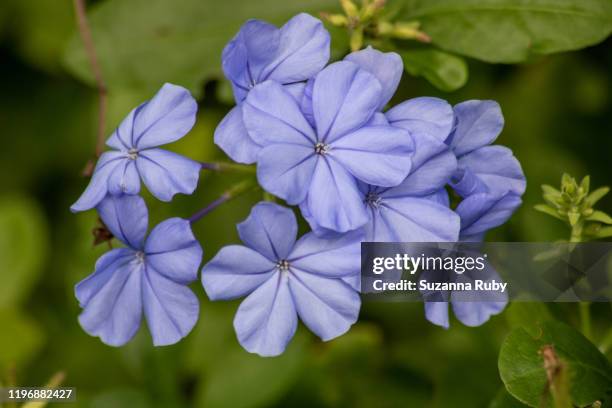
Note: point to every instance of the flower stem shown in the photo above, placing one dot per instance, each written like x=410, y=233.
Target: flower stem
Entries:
x=90, y=49
x=585, y=319
x=228, y=167
x=606, y=343
x=233, y=192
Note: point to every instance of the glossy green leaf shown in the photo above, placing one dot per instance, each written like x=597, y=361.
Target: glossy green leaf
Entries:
x=505, y=400
x=445, y=71
x=23, y=247
x=511, y=31
x=143, y=43
x=521, y=365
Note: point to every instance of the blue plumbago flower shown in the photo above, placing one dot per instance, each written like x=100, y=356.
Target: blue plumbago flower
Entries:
x=259, y=52
x=164, y=119
x=322, y=164
x=148, y=275
x=481, y=212
x=284, y=279
x=417, y=210
x=472, y=308
x=482, y=168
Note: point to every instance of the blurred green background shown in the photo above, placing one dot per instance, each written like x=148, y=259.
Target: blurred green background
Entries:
x=558, y=112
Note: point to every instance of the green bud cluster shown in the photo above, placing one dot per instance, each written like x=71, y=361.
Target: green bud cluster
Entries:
x=573, y=203
x=369, y=19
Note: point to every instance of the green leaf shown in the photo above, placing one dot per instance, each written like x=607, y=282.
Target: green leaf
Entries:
x=596, y=195
x=505, y=400
x=600, y=216
x=143, y=43
x=522, y=371
x=20, y=338
x=243, y=380
x=511, y=31
x=546, y=209
x=605, y=232
x=445, y=71
x=23, y=247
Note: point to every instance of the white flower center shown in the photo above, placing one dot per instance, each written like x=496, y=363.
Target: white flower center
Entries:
x=283, y=265
x=132, y=154
x=321, y=148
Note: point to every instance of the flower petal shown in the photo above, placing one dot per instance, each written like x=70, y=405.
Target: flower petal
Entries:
x=121, y=139
x=420, y=220
x=171, y=309
x=270, y=229
x=303, y=50
x=235, y=272
x=114, y=312
x=482, y=212
x=428, y=178
x=387, y=67
x=272, y=115
x=344, y=98
x=286, y=170
x=173, y=250
x=378, y=155
x=437, y=313
x=329, y=307
x=478, y=124
x=433, y=117
x=328, y=257
x=334, y=199
x=97, y=188
x=165, y=118
x=166, y=174
x=126, y=217
x=233, y=138
x=266, y=320
x=495, y=167
x=124, y=179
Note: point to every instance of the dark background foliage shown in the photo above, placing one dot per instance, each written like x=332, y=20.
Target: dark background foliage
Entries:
x=558, y=111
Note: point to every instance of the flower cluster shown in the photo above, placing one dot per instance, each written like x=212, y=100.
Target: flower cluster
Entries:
x=322, y=139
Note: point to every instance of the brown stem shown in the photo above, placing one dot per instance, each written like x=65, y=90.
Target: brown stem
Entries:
x=85, y=34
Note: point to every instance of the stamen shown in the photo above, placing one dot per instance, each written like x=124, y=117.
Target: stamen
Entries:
x=283, y=265
x=373, y=200
x=132, y=154
x=140, y=257
x=321, y=148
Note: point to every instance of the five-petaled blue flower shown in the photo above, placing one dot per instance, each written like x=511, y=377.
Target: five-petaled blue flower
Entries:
x=323, y=162
x=164, y=119
x=284, y=279
x=489, y=178
x=148, y=275
x=260, y=52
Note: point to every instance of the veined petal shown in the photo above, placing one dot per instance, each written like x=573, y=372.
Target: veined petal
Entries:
x=387, y=67
x=344, y=98
x=124, y=179
x=428, y=178
x=173, y=251
x=482, y=212
x=266, y=320
x=478, y=124
x=420, y=220
x=114, y=312
x=433, y=117
x=97, y=188
x=165, y=118
x=121, y=139
x=476, y=313
x=329, y=307
x=126, y=217
x=233, y=138
x=303, y=50
x=270, y=229
x=328, y=257
x=286, y=170
x=171, y=309
x=166, y=174
x=272, y=115
x=496, y=167
x=334, y=199
x=378, y=155
x=234, y=272
x=314, y=226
